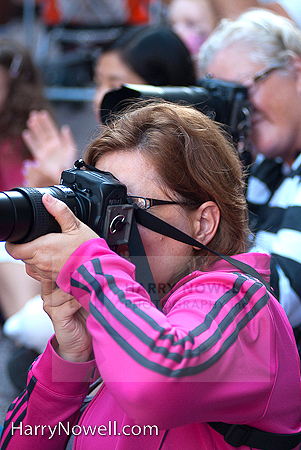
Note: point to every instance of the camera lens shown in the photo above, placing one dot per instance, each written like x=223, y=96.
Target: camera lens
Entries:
x=15, y=214
x=23, y=216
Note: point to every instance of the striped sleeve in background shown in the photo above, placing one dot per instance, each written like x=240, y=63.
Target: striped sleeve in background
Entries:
x=274, y=197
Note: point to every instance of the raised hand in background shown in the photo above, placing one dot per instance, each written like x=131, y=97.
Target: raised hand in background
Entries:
x=53, y=149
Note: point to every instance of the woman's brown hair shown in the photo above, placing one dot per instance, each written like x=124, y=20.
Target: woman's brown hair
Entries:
x=195, y=161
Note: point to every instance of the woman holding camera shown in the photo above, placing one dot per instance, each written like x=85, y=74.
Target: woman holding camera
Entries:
x=219, y=349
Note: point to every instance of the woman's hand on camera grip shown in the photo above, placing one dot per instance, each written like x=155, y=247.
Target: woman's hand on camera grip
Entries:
x=74, y=342
x=45, y=256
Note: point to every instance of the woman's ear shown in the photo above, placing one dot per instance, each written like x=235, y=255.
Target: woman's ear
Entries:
x=206, y=221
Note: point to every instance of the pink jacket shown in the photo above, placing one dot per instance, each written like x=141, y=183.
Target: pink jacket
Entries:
x=222, y=350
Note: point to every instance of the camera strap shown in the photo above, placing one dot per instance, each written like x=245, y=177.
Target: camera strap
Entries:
x=143, y=273
x=159, y=226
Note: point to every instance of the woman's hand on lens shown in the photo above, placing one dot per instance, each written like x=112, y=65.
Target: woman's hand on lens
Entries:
x=45, y=256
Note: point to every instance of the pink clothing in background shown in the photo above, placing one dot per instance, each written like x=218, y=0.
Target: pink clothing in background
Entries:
x=11, y=163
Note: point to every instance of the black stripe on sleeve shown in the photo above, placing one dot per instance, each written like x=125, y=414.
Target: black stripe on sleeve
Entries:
x=16, y=406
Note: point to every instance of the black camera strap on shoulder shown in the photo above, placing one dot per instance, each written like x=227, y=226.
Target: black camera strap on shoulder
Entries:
x=235, y=435
x=159, y=226
x=143, y=273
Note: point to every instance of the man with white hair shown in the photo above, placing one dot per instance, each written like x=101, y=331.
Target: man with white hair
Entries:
x=262, y=51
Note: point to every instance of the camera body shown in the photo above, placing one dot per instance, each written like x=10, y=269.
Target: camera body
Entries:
x=97, y=198
x=223, y=101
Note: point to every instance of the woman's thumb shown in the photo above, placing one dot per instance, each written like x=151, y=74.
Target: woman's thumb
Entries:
x=61, y=212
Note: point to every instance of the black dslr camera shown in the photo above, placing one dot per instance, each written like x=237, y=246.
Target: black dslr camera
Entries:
x=223, y=101
x=97, y=198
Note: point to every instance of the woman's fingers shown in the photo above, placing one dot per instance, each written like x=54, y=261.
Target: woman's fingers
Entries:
x=46, y=255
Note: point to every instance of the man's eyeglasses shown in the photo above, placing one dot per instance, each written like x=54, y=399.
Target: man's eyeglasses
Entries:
x=146, y=203
x=260, y=76
x=263, y=74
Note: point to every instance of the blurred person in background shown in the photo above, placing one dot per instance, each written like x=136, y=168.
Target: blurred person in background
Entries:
x=21, y=90
x=146, y=54
x=150, y=54
x=262, y=50
x=192, y=20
